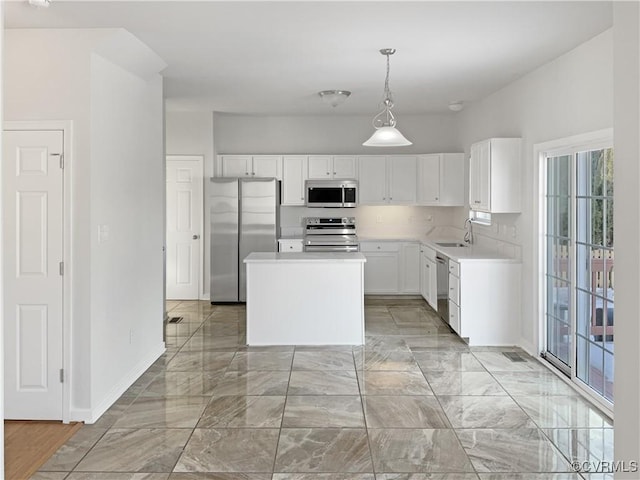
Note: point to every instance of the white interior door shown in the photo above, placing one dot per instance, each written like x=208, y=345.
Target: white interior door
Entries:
x=184, y=226
x=33, y=248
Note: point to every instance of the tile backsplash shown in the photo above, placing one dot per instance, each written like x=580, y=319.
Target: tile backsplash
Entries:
x=377, y=220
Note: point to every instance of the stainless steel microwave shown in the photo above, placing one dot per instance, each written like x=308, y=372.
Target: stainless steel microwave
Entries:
x=331, y=193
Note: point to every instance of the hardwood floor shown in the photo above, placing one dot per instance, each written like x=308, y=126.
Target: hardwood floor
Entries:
x=29, y=444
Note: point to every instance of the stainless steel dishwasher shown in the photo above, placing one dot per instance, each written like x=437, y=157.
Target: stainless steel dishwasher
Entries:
x=443, y=287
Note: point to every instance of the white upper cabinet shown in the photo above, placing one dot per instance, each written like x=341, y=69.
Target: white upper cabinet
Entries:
x=385, y=180
x=345, y=166
x=250, y=166
x=294, y=173
x=235, y=165
x=494, y=176
x=267, y=166
x=402, y=179
x=330, y=166
x=441, y=179
x=372, y=180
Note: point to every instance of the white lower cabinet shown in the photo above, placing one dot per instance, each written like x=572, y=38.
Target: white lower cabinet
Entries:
x=429, y=276
x=484, y=301
x=410, y=268
x=391, y=267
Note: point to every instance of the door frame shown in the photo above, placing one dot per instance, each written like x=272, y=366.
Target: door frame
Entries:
x=66, y=126
x=200, y=160
x=597, y=139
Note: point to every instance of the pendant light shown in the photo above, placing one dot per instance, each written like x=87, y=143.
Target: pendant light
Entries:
x=386, y=134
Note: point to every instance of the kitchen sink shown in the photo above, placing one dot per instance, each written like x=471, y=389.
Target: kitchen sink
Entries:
x=451, y=244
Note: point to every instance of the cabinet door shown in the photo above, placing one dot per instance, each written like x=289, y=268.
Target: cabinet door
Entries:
x=410, y=268
x=320, y=167
x=480, y=176
x=235, y=165
x=429, y=179
x=345, y=167
x=452, y=185
x=474, y=176
x=381, y=272
x=267, y=166
x=372, y=176
x=294, y=173
x=432, y=284
x=402, y=180
x=424, y=278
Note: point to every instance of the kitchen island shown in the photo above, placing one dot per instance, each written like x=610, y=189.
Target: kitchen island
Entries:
x=305, y=298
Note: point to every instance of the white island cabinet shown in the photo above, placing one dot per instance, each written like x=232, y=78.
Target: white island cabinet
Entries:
x=305, y=298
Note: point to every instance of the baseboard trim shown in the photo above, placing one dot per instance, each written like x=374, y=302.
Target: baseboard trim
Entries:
x=529, y=348
x=92, y=415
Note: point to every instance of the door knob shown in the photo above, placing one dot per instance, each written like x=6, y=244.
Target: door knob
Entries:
x=195, y=237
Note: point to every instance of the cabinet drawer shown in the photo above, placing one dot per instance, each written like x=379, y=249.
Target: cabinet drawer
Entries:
x=454, y=289
x=428, y=252
x=454, y=268
x=454, y=317
x=379, y=247
x=293, y=245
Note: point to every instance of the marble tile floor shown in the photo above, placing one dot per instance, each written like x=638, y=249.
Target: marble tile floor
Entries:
x=413, y=403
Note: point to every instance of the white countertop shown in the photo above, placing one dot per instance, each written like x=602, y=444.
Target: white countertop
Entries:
x=301, y=257
x=470, y=253
x=465, y=254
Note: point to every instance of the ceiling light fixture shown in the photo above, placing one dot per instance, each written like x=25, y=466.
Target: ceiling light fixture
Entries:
x=456, y=106
x=40, y=3
x=334, y=97
x=386, y=134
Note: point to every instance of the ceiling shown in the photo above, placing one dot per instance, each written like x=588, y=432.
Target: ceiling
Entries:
x=273, y=57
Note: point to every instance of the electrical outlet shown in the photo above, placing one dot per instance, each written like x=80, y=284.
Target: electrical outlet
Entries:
x=429, y=218
x=378, y=218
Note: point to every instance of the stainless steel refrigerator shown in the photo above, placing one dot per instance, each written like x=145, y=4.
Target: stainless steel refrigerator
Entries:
x=244, y=215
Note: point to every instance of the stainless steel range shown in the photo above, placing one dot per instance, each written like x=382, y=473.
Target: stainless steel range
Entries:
x=333, y=234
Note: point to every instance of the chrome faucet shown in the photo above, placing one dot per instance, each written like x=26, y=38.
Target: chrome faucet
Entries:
x=468, y=234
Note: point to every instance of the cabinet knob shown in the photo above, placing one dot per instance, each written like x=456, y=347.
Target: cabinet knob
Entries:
x=378, y=247
x=327, y=173
x=436, y=198
x=390, y=198
x=476, y=201
x=246, y=173
x=253, y=173
x=196, y=237
x=301, y=198
x=334, y=173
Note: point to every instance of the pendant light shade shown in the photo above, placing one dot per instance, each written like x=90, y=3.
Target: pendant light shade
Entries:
x=386, y=134
x=387, y=137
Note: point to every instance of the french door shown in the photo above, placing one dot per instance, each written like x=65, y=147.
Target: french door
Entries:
x=578, y=259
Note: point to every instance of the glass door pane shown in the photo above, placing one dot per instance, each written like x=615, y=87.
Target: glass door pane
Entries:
x=558, y=311
x=594, y=288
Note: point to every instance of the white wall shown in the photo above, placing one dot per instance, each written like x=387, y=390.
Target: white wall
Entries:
x=627, y=224
x=571, y=95
x=127, y=188
x=55, y=83
x=330, y=134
